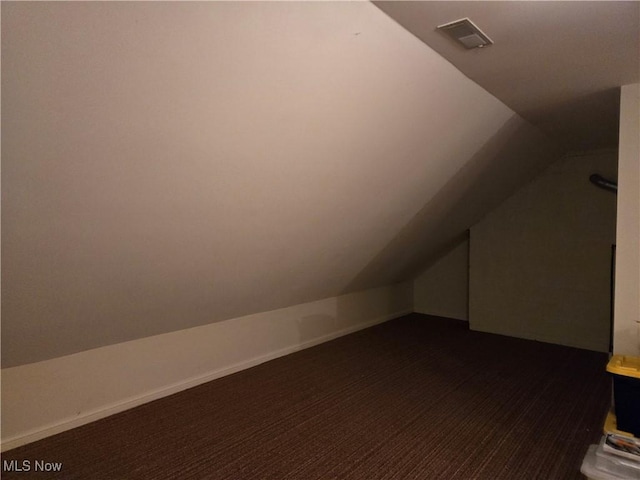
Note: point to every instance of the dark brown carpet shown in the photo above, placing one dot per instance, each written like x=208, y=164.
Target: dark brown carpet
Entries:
x=415, y=398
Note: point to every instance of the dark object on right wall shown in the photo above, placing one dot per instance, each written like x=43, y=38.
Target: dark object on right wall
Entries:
x=600, y=181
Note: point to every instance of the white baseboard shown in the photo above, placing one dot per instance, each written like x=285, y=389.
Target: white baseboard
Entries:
x=70, y=384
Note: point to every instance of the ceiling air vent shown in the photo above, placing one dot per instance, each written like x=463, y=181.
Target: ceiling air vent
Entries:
x=465, y=32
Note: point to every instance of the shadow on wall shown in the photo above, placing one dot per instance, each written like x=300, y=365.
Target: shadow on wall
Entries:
x=354, y=309
x=508, y=160
x=314, y=326
x=570, y=119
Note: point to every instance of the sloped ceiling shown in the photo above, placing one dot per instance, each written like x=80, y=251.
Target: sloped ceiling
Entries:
x=167, y=165
x=557, y=63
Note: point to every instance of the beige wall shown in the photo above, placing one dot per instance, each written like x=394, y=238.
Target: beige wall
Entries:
x=626, y=338
x=540, y=263
x=443, y=288
x=172, y=164
x=45, y=398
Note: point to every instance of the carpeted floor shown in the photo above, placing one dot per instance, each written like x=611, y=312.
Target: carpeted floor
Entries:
x=415, y=398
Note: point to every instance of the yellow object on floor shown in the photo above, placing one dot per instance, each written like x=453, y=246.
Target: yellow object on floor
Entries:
x=611, y=426
x=624, y=365
x=625, y=372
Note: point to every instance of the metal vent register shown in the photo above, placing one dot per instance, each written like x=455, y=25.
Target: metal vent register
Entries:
x=467, y=33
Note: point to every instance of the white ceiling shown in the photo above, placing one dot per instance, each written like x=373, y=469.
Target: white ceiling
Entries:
x=557, y=63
